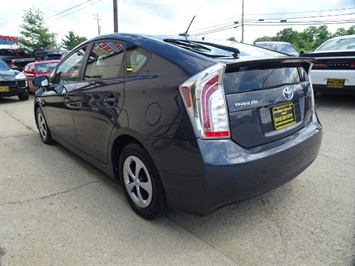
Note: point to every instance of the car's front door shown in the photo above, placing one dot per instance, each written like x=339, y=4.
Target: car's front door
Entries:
x=58, y=102
x=99, y=97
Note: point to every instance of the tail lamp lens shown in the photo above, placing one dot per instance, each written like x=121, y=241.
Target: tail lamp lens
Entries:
x=320, y=65
x=204, y=99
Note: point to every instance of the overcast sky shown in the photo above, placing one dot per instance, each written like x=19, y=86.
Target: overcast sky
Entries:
x=214, y=18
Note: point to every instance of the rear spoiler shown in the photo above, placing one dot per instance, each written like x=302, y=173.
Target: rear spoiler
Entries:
x=267, y=63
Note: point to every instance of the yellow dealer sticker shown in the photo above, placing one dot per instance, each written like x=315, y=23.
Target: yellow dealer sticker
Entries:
x=283, y=116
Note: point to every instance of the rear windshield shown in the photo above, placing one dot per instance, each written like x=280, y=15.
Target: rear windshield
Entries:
x=338, y=44
x=255, y=79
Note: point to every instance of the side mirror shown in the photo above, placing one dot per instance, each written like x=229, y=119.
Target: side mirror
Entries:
x=41, y=81
x=30, y=71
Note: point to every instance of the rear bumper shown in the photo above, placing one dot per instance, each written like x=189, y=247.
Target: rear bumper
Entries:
x=320, y=79
x=220, y=172
x=324, y=89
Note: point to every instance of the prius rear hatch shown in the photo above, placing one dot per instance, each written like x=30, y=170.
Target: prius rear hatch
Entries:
x=268, y=100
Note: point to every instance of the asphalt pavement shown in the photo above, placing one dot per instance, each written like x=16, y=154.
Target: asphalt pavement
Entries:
x=55, y=209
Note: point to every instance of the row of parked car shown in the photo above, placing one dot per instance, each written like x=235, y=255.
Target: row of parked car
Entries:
x=334, y=70
x=186, y=123
x=14, y=82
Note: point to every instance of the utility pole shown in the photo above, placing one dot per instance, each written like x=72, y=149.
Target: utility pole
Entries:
x=98, y=23
x=242, y=21
x=115, y=16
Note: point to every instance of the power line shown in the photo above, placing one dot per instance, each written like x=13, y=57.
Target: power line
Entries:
x=71, y=8
x=66, y=10
x=265, y=22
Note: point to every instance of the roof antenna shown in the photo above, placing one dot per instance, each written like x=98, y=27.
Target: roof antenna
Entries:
x=185, y=33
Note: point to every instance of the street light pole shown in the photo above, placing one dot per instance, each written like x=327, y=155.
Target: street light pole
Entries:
x=98, y=23
x=242, y=21
x=115, y=16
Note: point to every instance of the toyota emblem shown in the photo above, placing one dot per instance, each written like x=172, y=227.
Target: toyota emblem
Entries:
x=288, y=93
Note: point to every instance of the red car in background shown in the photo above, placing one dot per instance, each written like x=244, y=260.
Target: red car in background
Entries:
x=36, y=69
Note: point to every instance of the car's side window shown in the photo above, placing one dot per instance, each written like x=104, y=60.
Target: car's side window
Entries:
x=29, y=67
x=105, y=60
x=69, y=69
x=136, y=59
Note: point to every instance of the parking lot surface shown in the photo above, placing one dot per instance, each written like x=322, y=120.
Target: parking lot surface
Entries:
x=55, y=209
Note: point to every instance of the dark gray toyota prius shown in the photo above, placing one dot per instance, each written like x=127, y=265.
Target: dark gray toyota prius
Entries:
x=181, y=123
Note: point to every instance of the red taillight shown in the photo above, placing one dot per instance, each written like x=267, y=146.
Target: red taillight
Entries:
x=210, y=87
x=204, y=99
x=12, y=62
x=211, y=108
x=320, y=65
x=352, y=64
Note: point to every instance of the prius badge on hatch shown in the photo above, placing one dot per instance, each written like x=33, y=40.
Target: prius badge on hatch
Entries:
x=288, y=93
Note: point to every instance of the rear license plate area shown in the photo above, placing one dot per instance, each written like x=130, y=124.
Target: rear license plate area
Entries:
x=283, y=116
x=335, y=83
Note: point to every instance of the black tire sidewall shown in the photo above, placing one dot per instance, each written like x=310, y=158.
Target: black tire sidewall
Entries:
x=24, y=96
x=48, y=138
x=158, y=203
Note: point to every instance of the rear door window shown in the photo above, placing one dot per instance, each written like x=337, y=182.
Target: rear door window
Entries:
x=105, y=60
x=136, y=59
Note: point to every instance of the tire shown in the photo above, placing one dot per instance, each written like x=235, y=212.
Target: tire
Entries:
x=141, y=182
x=42, y=126
x=24, y=96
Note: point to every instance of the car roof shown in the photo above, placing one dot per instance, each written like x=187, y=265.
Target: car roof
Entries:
x=276, y=42
x=45, y=62
x=343, y=37
x=146, y=42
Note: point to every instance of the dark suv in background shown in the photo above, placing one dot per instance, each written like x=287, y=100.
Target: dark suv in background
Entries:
x=182, y=123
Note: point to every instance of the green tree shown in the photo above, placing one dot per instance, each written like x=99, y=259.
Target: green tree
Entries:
x=322, y=34
x=340, y=32
x=265, y=39
x=351, y=30
x=72, y=40
x=34, y=33
x=287, y=35
x=233, y=39
x=309, y=39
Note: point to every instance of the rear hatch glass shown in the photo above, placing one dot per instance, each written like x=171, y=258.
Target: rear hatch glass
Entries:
x=267, y=101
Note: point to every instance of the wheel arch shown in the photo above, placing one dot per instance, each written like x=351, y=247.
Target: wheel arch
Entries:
x=119, y=143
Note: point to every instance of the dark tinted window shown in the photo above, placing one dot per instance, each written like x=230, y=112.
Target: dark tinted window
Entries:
x=69, y=69
x=3, y=66
x=7, y=52
x=253, y=79
x=105, y=60
x=338, y=44
x=23, y=53
x=136, y=59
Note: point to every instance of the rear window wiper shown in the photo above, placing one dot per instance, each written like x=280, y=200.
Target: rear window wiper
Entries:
x=234, y=51
x=189, y=45
x=204, y=48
